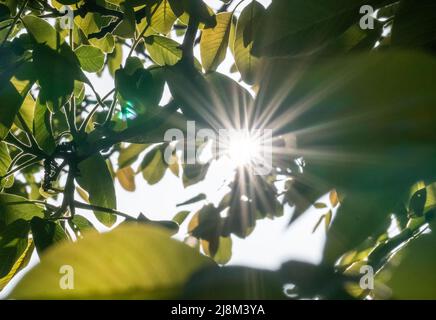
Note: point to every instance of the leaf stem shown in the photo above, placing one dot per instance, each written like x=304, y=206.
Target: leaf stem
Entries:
x=86, y=206
x=111, y=109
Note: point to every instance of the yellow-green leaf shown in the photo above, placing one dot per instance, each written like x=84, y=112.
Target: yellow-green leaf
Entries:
x=21, y=263
x=213, y=44
x=134, y=261
x=154, y=170
x=91, y=58
x=96, y=179
x=246, y=63
x=163, y=50
x=126, y=177
x=163, y=18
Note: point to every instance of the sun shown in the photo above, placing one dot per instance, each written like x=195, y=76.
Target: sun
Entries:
x=243, y=148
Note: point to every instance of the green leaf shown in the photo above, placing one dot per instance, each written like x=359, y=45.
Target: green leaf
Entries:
x=163, y=19
x=195, y=199
x=115, y=59
x=129, y=155
x=246, y=63
x=141, y=90
x=318, y=223
x=89, y=24
x=5, y=161
x=141, y=262
x=181, y=216
x=5, y=12
x=10, y=102
x=42, y=129
x=13, y=242
x=153, y=166
x=132, y=64
x=13, y=97
x=126, y=178
x=96, y=179
x=169, y=225
x=194, y=173
x=126, y=28
x=83, y=224
x=213, y=44
x=163, y=51
x=42, y=32
x=26, y=112
x=46, y=233
x=91, y=58
x=320, y=205
x=414, y=276
x=21, y=263
x=223, y=253
x=105, y=44
x=415, y=24
x=56, y=71
x=293, y=27
x=13, y=207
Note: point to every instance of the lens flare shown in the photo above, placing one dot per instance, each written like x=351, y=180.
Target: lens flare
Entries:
x=243, y=148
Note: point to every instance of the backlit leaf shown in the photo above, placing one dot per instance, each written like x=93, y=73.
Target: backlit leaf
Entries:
x=140, y=262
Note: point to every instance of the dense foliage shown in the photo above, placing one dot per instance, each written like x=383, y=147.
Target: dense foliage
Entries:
x=353, y=112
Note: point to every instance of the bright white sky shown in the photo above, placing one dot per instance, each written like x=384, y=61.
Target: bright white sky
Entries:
x=272, y=241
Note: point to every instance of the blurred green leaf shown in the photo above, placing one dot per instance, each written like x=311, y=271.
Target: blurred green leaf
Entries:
x=415, y=24
x=140, y=262
x=296, y=27
x=414, y=276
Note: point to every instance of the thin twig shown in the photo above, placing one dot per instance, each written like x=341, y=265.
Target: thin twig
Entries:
x=111, y=109
x=85, y=206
